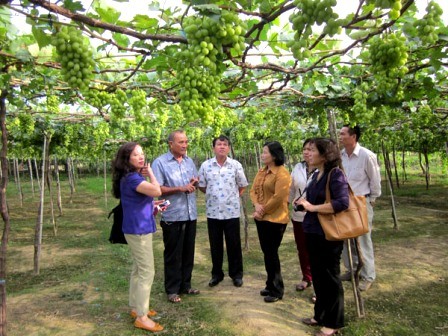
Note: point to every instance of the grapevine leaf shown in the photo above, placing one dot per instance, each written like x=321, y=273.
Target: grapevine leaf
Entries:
x=155, y=63
x=144, y=22
x=73, y=5
x=42, y=39
x=436, y=58
x=24, y=55
x=106, y=13
x=122, y=40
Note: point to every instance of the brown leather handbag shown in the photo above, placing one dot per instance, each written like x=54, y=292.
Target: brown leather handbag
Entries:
x=350, y=223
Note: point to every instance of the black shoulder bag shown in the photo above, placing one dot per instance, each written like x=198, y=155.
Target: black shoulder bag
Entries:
x=116, y=234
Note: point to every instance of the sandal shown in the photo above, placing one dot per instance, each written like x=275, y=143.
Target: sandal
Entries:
x=174, y=298
x=323, y=333
x=303, y=285
x=191, y=291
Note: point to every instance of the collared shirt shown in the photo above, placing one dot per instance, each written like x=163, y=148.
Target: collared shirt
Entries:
x=171, y=173
x=363, y=172
x=271, y=189
x=222, y=183
x=300, y=179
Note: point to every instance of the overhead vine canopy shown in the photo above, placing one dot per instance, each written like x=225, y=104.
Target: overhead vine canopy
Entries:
x=205, y=63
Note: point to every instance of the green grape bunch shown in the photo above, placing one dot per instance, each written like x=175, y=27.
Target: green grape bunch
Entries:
x=208, y=37
x=26, y=122
x=117, y=104
x=426, y=26
x=76, y=57
x=97, y=98
x=394, y=5
x=138, y=103
x=360, y=101
x=52, y=103
x=200, y=63
x=388, y=55
x=309, y=13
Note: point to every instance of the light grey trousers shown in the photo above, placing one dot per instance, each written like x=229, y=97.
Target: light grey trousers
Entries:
x=366, y=248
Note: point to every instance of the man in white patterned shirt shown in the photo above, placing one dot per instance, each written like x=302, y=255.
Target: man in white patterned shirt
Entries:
x=363, y=174
x=223, y=181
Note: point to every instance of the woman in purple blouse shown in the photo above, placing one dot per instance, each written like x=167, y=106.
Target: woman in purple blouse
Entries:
x=129, y=173
x=325, y=255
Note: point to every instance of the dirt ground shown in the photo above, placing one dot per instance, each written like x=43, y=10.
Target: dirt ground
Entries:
x=62, y=308
x=50, y=313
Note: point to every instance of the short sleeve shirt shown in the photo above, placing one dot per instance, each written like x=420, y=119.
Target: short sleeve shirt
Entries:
x=138, y=208
x=171, y=173
x=222, y=183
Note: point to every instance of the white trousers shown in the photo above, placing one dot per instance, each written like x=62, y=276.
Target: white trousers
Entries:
x=142, y=274
x=366, y=249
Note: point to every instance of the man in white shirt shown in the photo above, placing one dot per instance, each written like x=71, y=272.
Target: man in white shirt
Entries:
x=363, y=174
x=223, y=181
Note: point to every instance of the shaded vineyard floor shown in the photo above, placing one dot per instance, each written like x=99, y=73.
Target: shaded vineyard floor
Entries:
x=83, y=281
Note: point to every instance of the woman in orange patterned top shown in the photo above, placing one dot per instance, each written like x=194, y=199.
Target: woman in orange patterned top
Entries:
x=269, y=195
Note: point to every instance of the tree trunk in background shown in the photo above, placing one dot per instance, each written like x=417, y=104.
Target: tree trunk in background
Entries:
x=105, y=178
x=420, y=163
x=37, y=173
x=389, y=184
x=17, y=179
x=387, y=164
x=71, y=178
x=30, y=169
x=4, y=210
x=245, y=217
x=427, y=174
x=403, y=166
x=257, y=155
x=332, y=125
x=48, y=181
x=58, y=185
x=75, y=173
x=40, y=217
x=394, y=153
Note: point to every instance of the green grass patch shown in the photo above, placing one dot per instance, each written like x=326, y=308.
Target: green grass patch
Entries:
x=82, y=286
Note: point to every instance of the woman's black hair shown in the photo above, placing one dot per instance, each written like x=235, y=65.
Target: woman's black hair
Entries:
x=308, y=140
x=330, y=152
x=276, y=151
x=121, y=166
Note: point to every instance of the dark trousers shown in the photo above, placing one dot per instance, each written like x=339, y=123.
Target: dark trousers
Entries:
x=230, y=229
x=302, y=251
x=325, y=258
x=178, y=256
x=270, y=236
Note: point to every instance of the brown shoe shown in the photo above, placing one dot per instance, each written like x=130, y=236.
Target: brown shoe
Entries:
x=151, y=313
x=142, y=325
